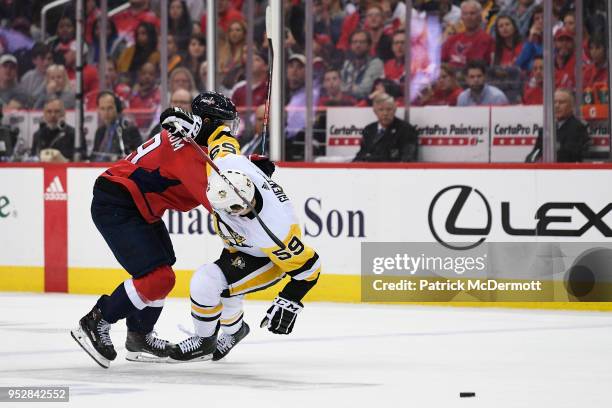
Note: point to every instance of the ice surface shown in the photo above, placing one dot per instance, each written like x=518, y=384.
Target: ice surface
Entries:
x=339, y=355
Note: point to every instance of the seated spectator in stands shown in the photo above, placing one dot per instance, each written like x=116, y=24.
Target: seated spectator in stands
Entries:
x=115, y=138
x=565, y=60
x=521, y=12
x=508, y=43
x=328, y=16
x=181, y=78
x=114, y=44
x=572, y=136
x=180, y=98
x=122, y=90
x=360, y=69
x=374, y=23
x=251, y=143
x=128, y=20
x=394, y=68
x=533, y=92
x=444, y=91
x=260, y=83
x=175, y=59
x=389, y=139
x=144, y=50
x=10, y=94
x=472, y=44
x=54, y=135
x=196, y=54
x=386, y=86
x=232, y=55
x=32, y=82
x=226, y=13
x=532, y=48
x=296, y=94
x=58, y=86
x=596, y=72
x=478, y=92
x=146, y=94
x=65, y=35
x=352, y=22
x=179, y=23
x=90, y=72
x=333, y=95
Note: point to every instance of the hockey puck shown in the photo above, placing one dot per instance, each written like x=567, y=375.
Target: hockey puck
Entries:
x=467, y=394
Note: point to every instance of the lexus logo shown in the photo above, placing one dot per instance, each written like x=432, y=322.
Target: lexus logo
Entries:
x=450, y=225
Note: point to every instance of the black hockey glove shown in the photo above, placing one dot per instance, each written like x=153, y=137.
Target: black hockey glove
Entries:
x=263, y=163
x=280, y=317
x=180, y=123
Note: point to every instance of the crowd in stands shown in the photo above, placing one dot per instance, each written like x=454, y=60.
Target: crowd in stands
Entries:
x=472, y=52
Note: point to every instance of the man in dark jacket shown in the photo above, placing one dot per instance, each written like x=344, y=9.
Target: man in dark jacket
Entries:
x=572, y=134
x=54, y=136
x=389, y=139
x=116, y=138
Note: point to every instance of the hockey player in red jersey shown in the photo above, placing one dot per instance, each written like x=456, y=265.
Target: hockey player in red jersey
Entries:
x=129, y=200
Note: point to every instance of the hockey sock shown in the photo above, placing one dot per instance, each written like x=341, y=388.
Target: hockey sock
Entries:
x=121, y=303
x=143, y=321
x=232, y=324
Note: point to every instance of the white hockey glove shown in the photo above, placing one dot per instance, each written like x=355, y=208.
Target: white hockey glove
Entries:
x=181, y=123
x=280, y=317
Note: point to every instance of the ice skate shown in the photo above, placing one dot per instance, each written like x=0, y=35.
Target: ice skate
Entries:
x=146, y=348
x=93, y=336
x=193, y=349
x=225, y=342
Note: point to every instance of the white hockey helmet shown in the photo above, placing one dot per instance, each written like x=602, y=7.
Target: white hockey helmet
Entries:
x=223, y=197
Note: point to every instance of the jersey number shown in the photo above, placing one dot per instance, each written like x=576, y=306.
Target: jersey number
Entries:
x=295, y=247
x=223, y=147
x=146, y=148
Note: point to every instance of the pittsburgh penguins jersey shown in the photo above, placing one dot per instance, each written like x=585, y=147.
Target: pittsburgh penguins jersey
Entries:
x=245, y=234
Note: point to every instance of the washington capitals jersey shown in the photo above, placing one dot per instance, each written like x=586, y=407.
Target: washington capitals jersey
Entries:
x=165, y=172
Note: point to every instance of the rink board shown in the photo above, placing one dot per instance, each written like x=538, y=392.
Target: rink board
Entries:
x=340, y=206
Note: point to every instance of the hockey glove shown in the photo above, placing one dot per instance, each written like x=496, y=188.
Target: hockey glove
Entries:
x=181, y=123
x=263, y=163
x=280, y=317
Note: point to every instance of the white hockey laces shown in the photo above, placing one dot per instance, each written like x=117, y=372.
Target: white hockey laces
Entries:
x=225, y=342
x=155, y=342
x=103, y=332
x=190, y=344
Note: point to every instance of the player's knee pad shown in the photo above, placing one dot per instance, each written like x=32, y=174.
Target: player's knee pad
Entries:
x=156, y=284
x=206, y=284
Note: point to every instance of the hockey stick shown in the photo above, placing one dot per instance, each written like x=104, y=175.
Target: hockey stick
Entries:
x=208, y=160
x=264, y=132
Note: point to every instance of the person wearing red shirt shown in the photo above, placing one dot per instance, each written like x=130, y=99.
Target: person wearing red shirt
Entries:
x=127, y=20
x=473, y=44
x=90, y=73
x=260, y=82
x=508, y=44
x=596, y=73
x=226, y=13
x=121, y=90
x=394, y=68
x=565, y=60
x=445, y=91
x=146, y=96
x=533, y=92
x=332, y=85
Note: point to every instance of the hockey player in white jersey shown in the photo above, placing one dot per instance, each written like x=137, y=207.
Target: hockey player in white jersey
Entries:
x=250, y=261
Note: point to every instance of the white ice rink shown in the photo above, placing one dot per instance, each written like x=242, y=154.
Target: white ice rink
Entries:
x=338, y=356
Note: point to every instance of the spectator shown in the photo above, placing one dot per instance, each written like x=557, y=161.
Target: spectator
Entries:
x=180, y=98
x=114, y=44
x=181, y=78
x=146, y=94
x=389, y=139
x=232, y=54
x=572, y=137
x=130, y=19
x=122, y=90
x=260, y=83
x=596, y=73
x=351, y=23
x=250, y=144
x=196, y=54
x=115, y=138
x=533, y=92
x=328, y=15
x=90, y=73
x=445, y=90
x=479, y=93
x=144, y=50
x=174, y=57
x=58, y=86
x=394, y=68
x=449, y=13
x=565, y=59
x=533, y=46
x=65, y=34
x=54, y=135
x=386, y=86
x=179, y=23
x=33, y=82
x=333, y=96
x=203, y=75
x=226, y=14
x=381, y=42
x=508, y=44
x=521, y=12
x=360, y=70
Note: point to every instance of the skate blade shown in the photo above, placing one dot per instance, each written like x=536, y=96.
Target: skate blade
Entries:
x=139, y=357
x=194, y=360
x=83, y=341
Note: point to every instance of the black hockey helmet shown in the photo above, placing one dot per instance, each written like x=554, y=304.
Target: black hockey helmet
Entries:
x=214, y=105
